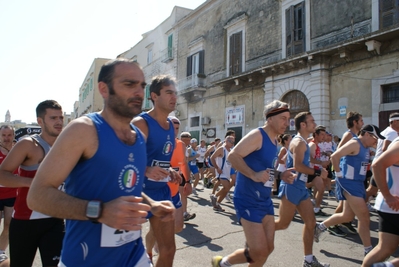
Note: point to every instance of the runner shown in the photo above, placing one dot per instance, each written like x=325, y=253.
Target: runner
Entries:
x=104, y=173
x=255, y=158
x=31, y=230
x=295, y=197
x=350, y=173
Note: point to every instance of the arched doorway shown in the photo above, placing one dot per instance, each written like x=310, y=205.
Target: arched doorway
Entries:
x=298, y=103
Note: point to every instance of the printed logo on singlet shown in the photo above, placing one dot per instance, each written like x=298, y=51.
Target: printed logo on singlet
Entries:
x=85, y=249
x=128, y=178
x=131, y=157
x=167, y=149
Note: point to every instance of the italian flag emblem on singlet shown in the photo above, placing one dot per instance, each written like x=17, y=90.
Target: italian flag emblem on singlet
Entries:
x=129, y=179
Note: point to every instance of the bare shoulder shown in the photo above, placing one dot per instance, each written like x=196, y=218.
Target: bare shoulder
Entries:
x=140, y=123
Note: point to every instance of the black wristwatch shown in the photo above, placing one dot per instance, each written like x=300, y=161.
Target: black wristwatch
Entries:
x=94, y=210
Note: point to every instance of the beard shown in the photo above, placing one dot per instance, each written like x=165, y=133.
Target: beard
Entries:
x=122, y=108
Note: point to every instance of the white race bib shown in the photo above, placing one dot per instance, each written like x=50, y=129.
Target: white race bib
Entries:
x=271, y=179
x=303, y=177
x=111, y=237
x=363, y=168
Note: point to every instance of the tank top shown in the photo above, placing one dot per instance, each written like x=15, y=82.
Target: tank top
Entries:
x=178, y=160
x=301, y=178
x=160, y=146
x=116, y=169
x=201, y=151
x=354, y=167
x=392, y=174
x=259, y=160
x=7, y=192
x=224, y=165
x=21, y=210
x=317, y=156
x=193, y=153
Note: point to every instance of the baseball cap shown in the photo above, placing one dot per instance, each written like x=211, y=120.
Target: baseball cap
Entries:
x=374, y=130
x=193, y=141
x=185, y=134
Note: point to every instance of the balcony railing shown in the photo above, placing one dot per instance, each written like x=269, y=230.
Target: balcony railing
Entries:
x=167, y=54
x=193, y=81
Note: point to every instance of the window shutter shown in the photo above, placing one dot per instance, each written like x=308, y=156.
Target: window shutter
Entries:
x=289, y=28
x=231, y=54
x=389, y=10
x=299, y=46
x=189, y=66
x=236, y=53
x=201, y=62
x=170, y=46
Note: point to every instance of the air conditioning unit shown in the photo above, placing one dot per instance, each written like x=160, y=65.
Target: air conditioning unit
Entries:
x=205, y=120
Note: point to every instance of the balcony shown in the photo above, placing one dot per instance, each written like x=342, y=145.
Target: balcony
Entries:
x=192, y=88
x=167, y=55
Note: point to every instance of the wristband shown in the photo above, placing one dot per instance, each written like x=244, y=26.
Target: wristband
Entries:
x=338, y=174
x=183, y=182
x=317, y=172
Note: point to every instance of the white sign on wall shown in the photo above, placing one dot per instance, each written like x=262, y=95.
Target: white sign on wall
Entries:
x=235, y=115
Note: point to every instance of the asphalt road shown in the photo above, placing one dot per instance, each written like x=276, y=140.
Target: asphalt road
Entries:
x=218, y=233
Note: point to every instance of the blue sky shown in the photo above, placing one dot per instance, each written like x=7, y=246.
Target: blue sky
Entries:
x=47, y=46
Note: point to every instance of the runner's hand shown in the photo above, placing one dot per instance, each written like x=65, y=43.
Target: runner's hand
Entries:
x=288, y=176
x=392, y=202
x=156, y=173
x=174, y=176
x=125, y=213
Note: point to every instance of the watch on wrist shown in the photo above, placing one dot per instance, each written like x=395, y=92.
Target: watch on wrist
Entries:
x=94, y=210
x=317, y=172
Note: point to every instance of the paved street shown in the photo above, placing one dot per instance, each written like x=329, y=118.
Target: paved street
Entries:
x=218, y=233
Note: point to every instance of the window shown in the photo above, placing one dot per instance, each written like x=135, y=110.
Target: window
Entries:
x=195, y=63
x=195, y=121
x=295, y=29
x=147, y=104
x=235, y=56
x=390, y=93
x=235, y=53
x=170, y=46
x=389, y=13
x=149, y=56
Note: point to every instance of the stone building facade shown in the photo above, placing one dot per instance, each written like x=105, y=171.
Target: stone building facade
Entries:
x=329, y=57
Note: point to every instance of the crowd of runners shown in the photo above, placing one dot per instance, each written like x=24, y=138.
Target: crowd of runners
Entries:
x=81, y=194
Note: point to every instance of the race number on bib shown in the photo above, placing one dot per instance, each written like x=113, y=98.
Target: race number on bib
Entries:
x=363, y=168
x=303, y=177
x=111, y=237
x=271, y=178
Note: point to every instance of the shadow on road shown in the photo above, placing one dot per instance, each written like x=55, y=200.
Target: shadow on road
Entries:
x=196, y=238
x=333, y=255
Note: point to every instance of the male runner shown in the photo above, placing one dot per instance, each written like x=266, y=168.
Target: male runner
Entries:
x=7, y=195
x=255, y=157
x=102, y=158
x=386, y=175
x=296, y=196
x=350, y=164
x=160, y=144
x=29, y=229
x=354, y=122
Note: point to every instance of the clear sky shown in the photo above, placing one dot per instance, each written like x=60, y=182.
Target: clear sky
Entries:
x=47, y=46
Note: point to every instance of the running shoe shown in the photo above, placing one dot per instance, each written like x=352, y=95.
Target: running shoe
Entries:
x=213, y=200
x=349, y=227
x=218, y=208
x=315, y=263
x=216, y=261
x=195, y=191
x=370, y=207
x=335, y=230
x=321, y=213
x=316, y=235
x=3, y=257
x=380, y=264
x=189, y=216
x=228, y=198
